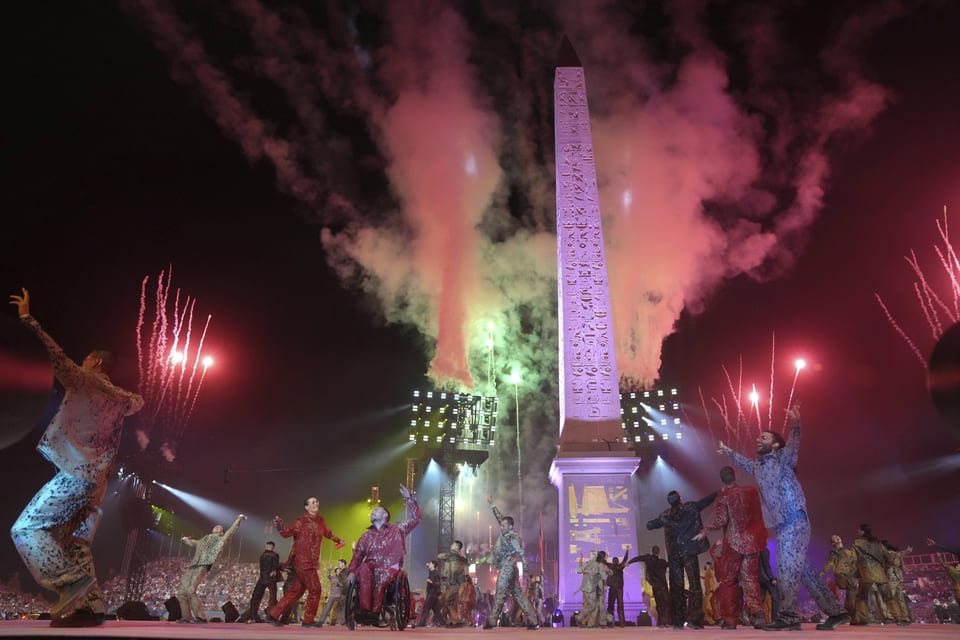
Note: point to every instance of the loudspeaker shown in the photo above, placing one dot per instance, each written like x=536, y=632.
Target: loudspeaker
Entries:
x=644, y=620
x=174, y=612
x=230, y=613
x=133, y=610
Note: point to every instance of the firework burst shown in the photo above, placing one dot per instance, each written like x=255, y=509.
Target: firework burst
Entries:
x=740, y=407
x=940, y=309
x=171, y=364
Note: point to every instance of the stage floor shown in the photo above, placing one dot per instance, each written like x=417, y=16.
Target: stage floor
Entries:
x=224, y=631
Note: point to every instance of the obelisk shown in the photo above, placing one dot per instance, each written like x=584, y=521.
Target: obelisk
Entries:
x=594, y=467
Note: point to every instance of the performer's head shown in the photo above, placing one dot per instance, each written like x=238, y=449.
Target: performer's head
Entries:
x=218, y=529
x=311, y=505
x=769, y=441
x=601, y=556
x=727, y=475
x=456, y=546
x=866, y=532
x=268, y=546
x=341, y=564
x=99, y=360
x=431, y=565
x=836, y=541
x=379, y=517
x=615, y=561
x=655, y=550
x=673, y=498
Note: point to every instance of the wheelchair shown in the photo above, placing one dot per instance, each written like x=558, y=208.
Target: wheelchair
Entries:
x=395, y=613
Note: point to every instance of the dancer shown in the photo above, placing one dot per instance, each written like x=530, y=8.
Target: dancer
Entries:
x=655, y=572
x=739, y=515
x=507, y=552
x=895, y=580
x=208, y=550
x=379, y=553
x=431, y=602
x=785, y=511
x=615, y=585
x=595, y=572
x=872, y=571
x=953, y=572
x=768, y=585
x=843, y=563
x=534, y=593
x=267, y=581
x=55, y=532
x=308, y=532
x=453, y=575
x=680, y=523
x=333, y=608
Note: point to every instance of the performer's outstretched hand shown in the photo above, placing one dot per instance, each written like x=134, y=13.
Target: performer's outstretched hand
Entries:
x=489, y=499
x=931, y=542
x=241, y=517
x=723, y=448
x=22, y=302
x=794, y=412
x=278, y=523
x=338, y=544
x=405, y=492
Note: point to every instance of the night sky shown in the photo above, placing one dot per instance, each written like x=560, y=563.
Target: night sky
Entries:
x=352, y=193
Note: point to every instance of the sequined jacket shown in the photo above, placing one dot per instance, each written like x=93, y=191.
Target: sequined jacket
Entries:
x=453, y=568
x=83, y=437
x=680, y=524
x=654, y=568
x=385, y=547
x=842, y=561
x=269, y=566
x=775, y=473
x=739, y=515
x=508, y=549
x=210, y=545
x=308, y=533
x=594, y=577
x=871, y=560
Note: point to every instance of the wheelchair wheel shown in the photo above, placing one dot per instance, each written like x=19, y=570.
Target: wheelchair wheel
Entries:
x=401, y=602
x=351, y=606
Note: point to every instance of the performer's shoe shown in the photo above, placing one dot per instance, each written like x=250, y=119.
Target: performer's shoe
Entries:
x=533, y=627
x=759, y=621
x=311, y=624
x=273, y=621
x=199, y=621
x=72, y=592
x=833, y=622
x=728, y=627
x=79, y=618
x=695, y=625
x=487, y=625
x=678, y=627
x=782, y=625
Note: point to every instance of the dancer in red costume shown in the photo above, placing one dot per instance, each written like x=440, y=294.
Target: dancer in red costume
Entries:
x=308, y=532
x=378, y=556
x=738, y=513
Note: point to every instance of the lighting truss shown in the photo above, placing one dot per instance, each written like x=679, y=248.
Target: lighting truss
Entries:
x=442, y=419
x=650, y=415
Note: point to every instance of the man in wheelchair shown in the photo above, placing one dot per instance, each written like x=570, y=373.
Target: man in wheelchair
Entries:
x=378, y=558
